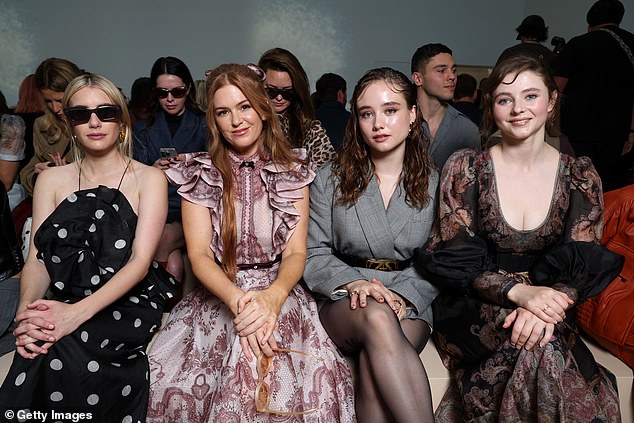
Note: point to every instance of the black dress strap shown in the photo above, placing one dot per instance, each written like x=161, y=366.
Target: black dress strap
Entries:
x=120, y=180
x=124, y=172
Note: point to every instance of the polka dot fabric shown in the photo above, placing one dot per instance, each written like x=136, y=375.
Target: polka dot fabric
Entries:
x=101, y=367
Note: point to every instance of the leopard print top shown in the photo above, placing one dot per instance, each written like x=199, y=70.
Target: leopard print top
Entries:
x=316, y=142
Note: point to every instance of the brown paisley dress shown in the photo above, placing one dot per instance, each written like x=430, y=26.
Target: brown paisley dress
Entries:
x=198, y=372
x=476, y=257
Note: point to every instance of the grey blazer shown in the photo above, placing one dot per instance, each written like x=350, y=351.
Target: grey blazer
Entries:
x=367, y=230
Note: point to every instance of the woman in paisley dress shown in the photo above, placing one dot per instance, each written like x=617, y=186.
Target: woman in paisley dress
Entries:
x=515, y=249
x=245, y=217
x=287, y=87
x=97, y=222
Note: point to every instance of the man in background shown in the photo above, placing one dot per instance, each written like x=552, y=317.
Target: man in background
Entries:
x=332, y=113
x=448, y=130
x=531, y=33
x=464, y=97
x=595, y=73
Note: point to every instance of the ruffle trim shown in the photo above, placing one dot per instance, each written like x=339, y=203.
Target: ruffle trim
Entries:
x=200, y=182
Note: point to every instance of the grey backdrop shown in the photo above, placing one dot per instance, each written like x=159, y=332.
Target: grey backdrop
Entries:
x=121, y=38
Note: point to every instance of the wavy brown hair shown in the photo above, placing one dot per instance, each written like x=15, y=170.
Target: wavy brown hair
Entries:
x=272, y=142
x=353, y=167
x=300, y=112
x=515, y=65
x=55, y=74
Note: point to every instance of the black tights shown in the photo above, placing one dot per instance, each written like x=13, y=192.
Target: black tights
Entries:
x=392, y=383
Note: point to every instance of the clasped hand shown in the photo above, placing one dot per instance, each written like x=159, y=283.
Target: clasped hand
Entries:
x=546, y=303
x=43, y=320
x=360, y=290
x=257, y=319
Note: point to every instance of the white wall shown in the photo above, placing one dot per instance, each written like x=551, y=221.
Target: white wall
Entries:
x=121, y=39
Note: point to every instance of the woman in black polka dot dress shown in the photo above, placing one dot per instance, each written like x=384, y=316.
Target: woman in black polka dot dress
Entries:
x=91, y=297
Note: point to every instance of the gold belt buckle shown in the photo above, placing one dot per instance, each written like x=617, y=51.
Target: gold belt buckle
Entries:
x=386, y=265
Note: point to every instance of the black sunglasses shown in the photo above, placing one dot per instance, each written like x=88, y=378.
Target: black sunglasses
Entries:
x=286, y=93
x=178, y=92
x=79, y=115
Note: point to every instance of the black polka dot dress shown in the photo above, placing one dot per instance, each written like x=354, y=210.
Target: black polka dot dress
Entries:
x=101, y=368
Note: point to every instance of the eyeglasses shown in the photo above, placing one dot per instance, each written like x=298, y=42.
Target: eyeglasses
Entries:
x=80, y=114
x=262, y=390
x=286, y=93
x=178, y=92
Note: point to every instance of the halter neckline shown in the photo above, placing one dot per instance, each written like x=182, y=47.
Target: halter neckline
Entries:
x=120, y=180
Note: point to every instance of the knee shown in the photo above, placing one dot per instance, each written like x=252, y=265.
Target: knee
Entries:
x=380, y=321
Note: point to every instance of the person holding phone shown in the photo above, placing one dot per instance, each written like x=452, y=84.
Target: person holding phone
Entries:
x=176, y=126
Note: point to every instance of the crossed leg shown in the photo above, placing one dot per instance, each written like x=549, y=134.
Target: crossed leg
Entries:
x=393, y=384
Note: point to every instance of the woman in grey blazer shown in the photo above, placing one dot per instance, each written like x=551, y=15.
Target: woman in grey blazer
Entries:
x=369, y=210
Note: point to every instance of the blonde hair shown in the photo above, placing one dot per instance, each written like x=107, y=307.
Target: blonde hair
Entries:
x=124, y=146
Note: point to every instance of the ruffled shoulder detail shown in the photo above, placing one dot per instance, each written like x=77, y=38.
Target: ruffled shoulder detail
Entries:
x=284, y=185
x=200, y=182
x=197, y=179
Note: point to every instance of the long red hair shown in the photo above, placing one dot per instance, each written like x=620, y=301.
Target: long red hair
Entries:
x=272, y=140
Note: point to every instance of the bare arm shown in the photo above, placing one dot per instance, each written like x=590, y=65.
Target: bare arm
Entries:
x=152, y=212
x=198, y=230
x=259, y=308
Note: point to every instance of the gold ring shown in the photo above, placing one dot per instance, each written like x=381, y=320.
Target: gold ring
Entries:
x=546, y=307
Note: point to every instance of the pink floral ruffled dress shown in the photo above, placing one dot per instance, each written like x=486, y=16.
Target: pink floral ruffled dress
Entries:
x=198, y=372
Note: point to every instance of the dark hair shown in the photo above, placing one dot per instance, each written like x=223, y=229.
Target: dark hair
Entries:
x=533, y=27
x=605, y=11
x=140, y=98
x=273, y=140
x=466, y=86
x=328, y=85
x=424, y=53
x=352, y=166
x=514, y=65
x=4, y=108
x=301, y=112
x=170, y=65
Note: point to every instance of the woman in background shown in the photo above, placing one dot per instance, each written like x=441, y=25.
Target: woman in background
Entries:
x=287, y=87
x=245, y=215
x=11, y=152
x=51, y=137
x=175, y=126
x=30, y=106
x=91, y=298
x=516, y=248
x=369, y=211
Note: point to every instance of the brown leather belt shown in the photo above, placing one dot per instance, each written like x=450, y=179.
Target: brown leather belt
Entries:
x=376, y=264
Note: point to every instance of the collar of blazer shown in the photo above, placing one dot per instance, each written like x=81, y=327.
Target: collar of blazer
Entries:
x=380, y=226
